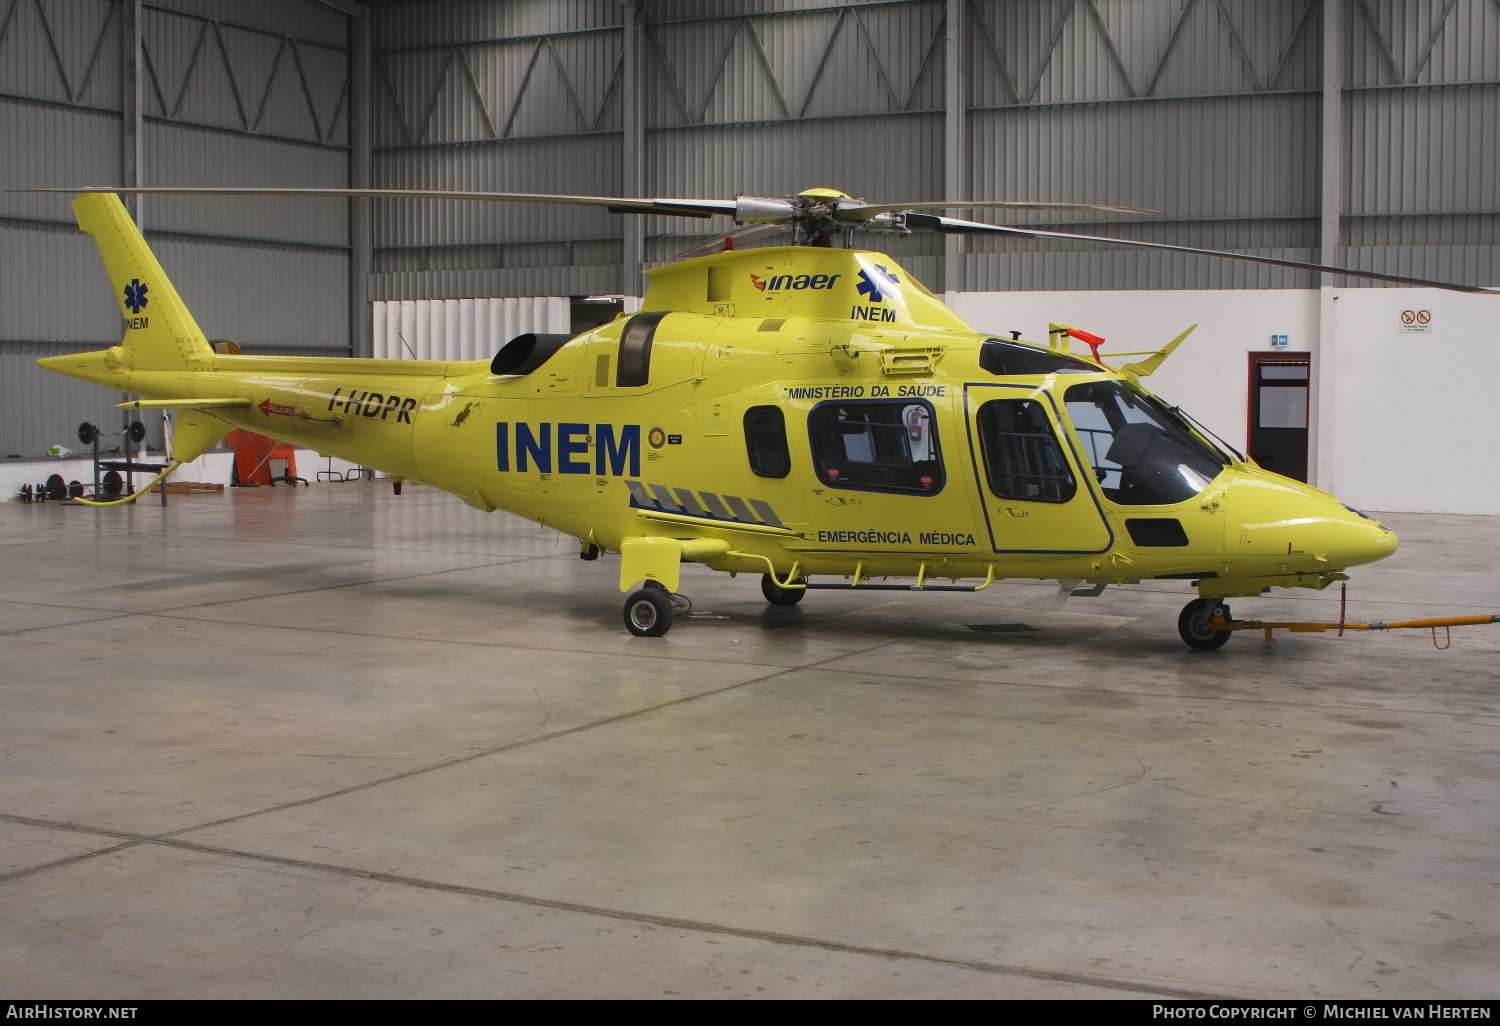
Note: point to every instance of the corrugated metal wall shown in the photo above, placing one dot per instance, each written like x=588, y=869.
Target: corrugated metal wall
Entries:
x=527, y=97
x=232, y=94
x=1208, y=110
x=461, y=329
x=519, y=97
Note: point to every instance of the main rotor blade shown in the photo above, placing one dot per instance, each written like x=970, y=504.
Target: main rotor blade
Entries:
x=614, y=204
x=865, y=211
x=950, y=225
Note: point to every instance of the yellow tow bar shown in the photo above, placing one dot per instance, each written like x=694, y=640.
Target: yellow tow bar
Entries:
x=1445, y=622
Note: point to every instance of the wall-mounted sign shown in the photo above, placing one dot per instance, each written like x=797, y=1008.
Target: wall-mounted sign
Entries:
x=1416, y=321
x=1281, y=341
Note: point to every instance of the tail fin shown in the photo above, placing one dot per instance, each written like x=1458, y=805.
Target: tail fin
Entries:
x=160, y=334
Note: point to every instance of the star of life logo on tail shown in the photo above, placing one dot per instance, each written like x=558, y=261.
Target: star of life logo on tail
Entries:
x=135, y=295
x=135, y=302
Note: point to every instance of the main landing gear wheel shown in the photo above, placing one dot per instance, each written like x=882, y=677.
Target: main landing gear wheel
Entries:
x=1193, y=624
x=779, y=596
x=648, y=612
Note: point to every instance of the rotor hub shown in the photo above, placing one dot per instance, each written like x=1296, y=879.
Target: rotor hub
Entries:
x=815, y=215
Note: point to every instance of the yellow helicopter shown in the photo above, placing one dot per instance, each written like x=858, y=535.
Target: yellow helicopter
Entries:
x=807, y=413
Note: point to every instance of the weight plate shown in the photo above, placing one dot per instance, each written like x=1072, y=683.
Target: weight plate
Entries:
x=86, y=433
x=114, y=484
x=75, y=489
x=57, y=488
x=137, y=431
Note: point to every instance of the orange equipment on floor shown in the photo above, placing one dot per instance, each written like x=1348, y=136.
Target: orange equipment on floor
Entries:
x=253, y=454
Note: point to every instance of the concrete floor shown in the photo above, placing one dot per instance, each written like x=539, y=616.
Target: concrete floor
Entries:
x=332, y=743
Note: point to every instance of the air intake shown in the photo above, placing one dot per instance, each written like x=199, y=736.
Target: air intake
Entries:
x=525, y=353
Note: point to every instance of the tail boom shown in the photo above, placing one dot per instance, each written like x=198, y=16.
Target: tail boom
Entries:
x=360, y=410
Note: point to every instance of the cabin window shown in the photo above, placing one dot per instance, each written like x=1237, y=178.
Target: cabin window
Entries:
x=878, y=446
x=765, y=441
x=1022, y=459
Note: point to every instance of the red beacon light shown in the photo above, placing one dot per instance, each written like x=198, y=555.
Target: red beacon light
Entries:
x=1089, y=339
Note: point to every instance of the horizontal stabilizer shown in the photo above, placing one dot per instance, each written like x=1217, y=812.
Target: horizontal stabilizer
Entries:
x=182, y=404
x=1145, y=367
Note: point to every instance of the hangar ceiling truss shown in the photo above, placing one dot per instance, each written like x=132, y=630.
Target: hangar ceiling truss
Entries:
x=885, y=58
x=86, y=42
x=491, y=81
x=891, y=50
x=253, y=71
x=1404, y=35
x=206, y=70
x=198, y=71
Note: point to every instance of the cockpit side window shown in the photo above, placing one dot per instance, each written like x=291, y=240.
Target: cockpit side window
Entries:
x=1141, y=454
x=878, y=446
x=765, y=441
x=1022, y=459
x=1005, y=359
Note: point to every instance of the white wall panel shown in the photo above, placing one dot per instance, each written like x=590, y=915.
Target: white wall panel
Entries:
x=1414, y=425
x=1207, y=376
x=1399, y=436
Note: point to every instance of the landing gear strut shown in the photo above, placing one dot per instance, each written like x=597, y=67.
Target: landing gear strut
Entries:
x=1193, y=624
x=649, y=610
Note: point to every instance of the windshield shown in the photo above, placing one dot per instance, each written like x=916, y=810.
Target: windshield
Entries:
x=1141, y=454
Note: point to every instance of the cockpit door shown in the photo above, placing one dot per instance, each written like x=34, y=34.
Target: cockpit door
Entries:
x=1034, y=495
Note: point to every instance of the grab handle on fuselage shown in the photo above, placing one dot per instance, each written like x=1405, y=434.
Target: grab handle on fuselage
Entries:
x=791, y=576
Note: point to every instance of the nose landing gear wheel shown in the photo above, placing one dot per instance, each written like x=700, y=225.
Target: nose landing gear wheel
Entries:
x=779, y=596
x=681, y=604
x=1193, y=624
x=648, y=612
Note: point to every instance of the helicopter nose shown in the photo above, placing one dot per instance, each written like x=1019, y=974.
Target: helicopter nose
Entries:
x=1282, y=517
x=1360, y=539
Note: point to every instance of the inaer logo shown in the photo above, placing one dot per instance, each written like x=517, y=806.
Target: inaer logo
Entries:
x=873, y=284
x=795, y=282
